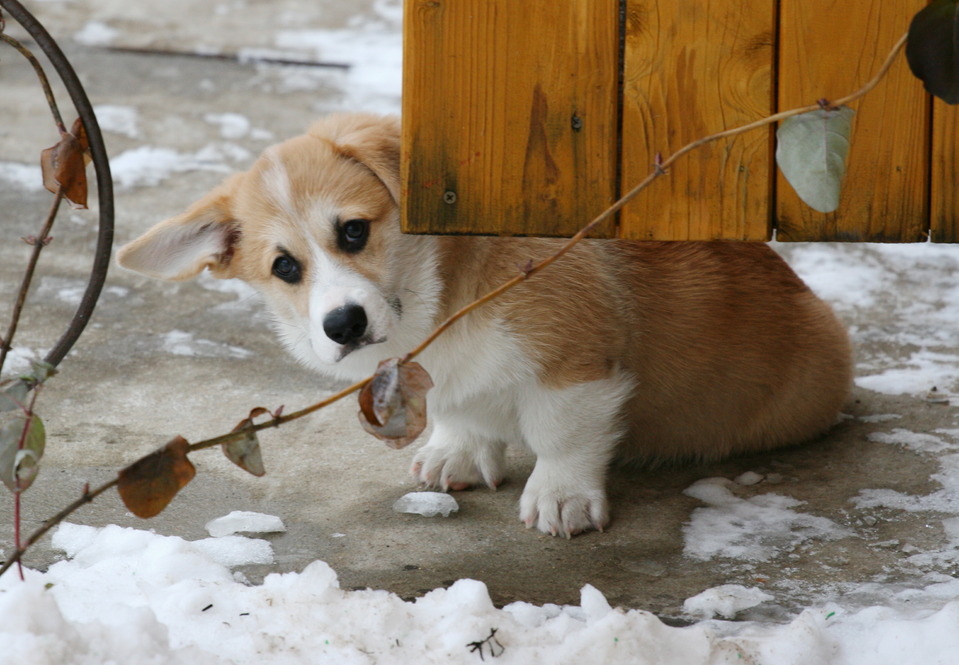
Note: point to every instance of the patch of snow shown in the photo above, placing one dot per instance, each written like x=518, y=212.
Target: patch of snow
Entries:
x=117, y=119
x=754, y=529
x=27, y=177
x=243, y=291
x=181, y=343
x=232, y=125
x=19, y=361
x=373, y=50
x=880, y=417
x=149, y=166
x=95, y=33
x=923, y=371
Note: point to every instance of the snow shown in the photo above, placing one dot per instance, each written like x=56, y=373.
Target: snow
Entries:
x=427, y=504
x=180, y=343
x=232, y=125
x=26, y=177
x=148, y=166
x=126, y=595
x=754, y=529
x=96, y=33
x=118, y=119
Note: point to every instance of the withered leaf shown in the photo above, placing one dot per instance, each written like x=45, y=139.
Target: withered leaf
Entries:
x=393, y=404
x=245, y=452
x=64, y=165
x=150, y=483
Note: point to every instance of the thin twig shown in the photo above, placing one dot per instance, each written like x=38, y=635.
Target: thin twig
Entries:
x=280, y=420
x=84, y=499
x=44, y=82
x=7, y=342
x=659, y=169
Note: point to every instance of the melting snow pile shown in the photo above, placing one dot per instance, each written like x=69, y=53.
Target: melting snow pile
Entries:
x=130, y=596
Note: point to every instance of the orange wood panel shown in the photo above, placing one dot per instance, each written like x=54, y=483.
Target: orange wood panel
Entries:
x=692, y=69
x=509, y=115
x=829, y=49
x=945, y=172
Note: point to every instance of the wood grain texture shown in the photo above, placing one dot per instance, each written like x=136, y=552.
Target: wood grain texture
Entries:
x=944, y=197
x=694, y=69
x=509, y=115
x=829, y=49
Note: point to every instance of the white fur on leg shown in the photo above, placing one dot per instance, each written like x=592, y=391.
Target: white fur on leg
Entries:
x=573, y=432
x=456, y=458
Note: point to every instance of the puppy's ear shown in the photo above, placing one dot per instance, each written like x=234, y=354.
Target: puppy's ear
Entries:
x=181, y=247
x=373, y=141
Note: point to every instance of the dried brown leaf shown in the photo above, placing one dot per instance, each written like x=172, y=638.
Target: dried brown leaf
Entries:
x=150, y=483
x=64, y=165
x=245, y=453
x=393, y=404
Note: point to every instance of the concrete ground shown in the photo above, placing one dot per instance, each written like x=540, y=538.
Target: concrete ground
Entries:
x=192, y=359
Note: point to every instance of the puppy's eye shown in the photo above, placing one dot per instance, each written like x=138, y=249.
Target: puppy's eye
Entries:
x=353, y=234
x=287, y=268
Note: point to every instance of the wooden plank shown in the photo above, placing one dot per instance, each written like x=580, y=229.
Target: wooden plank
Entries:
x=694, y=69
x=509, y=115
x=829, y=49
x=945, y=166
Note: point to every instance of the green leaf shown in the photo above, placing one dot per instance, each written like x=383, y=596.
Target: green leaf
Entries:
x=933, y=49
x=20, y=464
x=13, y=396
x=811, y=151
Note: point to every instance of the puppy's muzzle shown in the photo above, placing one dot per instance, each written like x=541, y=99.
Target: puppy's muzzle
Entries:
x=346, y=325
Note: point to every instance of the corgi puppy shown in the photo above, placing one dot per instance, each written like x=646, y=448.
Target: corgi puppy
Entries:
x=646, y=351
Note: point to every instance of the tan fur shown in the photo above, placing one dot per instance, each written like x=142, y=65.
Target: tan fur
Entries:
x=705, y=348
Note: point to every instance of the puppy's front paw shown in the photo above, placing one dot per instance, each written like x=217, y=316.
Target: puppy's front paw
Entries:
x=562, y=509
x=459, y=464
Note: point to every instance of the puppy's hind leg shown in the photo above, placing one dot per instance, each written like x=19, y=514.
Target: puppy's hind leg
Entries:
x=573, y=432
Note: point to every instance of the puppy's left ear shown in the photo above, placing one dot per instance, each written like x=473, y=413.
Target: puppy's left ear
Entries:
x=374, y=141
x=181, y=247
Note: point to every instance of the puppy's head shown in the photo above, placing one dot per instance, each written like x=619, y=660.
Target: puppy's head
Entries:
x=313, y=225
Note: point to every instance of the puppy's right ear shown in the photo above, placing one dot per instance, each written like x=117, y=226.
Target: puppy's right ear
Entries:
x=181, y=247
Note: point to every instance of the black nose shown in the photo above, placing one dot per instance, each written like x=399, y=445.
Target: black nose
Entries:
x=345, y=324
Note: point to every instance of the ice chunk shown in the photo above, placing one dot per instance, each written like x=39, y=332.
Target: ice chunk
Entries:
x=242, y=521
x=726, y=601
x=749, y=478
x=427, y=504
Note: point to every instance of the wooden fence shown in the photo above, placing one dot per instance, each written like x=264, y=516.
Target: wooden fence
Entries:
x=529, y=117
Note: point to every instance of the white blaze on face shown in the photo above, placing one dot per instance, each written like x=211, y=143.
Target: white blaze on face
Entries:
x=334, y=285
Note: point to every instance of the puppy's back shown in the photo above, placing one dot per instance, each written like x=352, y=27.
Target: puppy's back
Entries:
x=731, y=350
